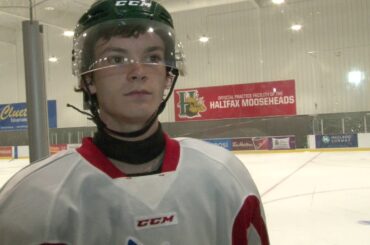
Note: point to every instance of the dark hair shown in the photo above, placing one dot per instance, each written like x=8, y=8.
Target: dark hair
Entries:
x=124, y=31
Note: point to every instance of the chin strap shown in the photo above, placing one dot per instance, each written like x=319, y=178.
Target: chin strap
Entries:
x=95, y=117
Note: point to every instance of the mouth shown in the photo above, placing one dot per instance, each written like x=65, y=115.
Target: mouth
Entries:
x=137, y=93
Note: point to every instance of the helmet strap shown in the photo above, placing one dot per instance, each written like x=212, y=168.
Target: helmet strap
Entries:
x=93, y=106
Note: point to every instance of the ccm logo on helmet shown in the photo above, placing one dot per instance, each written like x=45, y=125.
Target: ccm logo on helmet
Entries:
x=156, y=221
x=140, y=3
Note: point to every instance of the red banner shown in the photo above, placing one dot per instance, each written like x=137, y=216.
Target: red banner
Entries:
x=236, y=101
x=6, y=152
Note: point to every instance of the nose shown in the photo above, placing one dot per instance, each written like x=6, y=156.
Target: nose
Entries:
x=137, y=72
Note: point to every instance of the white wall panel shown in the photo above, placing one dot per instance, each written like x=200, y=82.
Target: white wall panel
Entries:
x=8, y=74
x=12, y=85
x=327, y=31
x=60, y=83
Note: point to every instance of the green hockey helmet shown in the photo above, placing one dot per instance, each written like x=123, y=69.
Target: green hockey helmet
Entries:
x=107, y=19
x=126, y=18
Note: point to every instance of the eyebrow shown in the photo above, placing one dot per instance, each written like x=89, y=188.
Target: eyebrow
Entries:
x=153, y=48
x=125, y=51
x=113, y=49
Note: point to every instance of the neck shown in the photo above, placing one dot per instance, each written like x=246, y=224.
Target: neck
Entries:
x=152, y=130
x=129, y=130
x=136, y=150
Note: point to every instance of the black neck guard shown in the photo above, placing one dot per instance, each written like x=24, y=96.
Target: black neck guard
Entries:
x=134, y=152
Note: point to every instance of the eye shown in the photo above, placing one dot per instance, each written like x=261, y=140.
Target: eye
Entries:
x=117, y=59
x=154, y=58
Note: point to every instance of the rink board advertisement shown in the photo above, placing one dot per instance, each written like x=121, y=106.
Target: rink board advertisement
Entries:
x=256, y=143
x=57, y=148
x=6, y=152
x=14, y=116
x=336, y=141
x=225, y=143
x=236, y=101
x=264, y=143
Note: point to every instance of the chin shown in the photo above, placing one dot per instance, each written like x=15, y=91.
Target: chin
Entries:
x=140, y=115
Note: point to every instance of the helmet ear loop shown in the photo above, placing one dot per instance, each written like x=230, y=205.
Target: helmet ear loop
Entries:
x=174, y=74
x=87, y=81
x=92, y=101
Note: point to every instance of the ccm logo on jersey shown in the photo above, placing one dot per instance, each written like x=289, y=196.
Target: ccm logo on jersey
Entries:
x=149, y=222
x=140, y=3
x=133, y=241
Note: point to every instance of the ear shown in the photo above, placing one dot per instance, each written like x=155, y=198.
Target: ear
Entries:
x=89, y=84
x=169, y=81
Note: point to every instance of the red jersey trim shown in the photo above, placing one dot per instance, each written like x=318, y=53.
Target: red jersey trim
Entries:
x=250, y=213
x=171, y=155
x=94, y=156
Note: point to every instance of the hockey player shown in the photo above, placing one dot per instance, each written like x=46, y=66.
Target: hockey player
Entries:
x=131, y=183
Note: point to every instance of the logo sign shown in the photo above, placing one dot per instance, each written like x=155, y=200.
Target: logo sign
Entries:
x=137, y=3
x=148, y=222
x=14, y=116
x=225, y=143
x=242, y=144
x=133, y=241
x=190, y=104
x=336, y=141
x=236, y=101
x=261, y=143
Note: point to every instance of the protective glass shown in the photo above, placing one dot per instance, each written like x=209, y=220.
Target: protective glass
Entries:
x=84, y=46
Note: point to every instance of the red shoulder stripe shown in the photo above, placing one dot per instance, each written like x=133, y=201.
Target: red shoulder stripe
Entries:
x=249, y=213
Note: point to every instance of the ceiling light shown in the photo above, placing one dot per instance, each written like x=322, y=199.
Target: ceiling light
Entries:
x=203, y=39
x=278, y=1
x=296, y=27
x=68, y=33
x=355, y=77
x=53, y=59
x=49, y=8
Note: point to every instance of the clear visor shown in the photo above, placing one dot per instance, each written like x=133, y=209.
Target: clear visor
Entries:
x=121, y=43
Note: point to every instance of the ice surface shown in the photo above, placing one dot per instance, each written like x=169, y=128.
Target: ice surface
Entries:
x=314, y=198
x=9, y=167
x=310, y=198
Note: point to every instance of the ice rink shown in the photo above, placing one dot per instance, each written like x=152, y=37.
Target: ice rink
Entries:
x=314, y=198
x=310, y=198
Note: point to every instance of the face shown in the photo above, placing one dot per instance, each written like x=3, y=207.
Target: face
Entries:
x=129, y=90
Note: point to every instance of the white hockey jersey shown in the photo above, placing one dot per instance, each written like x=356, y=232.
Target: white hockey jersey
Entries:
x=203, y=196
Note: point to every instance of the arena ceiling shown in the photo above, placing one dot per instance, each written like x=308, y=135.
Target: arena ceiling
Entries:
x=64, y=13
